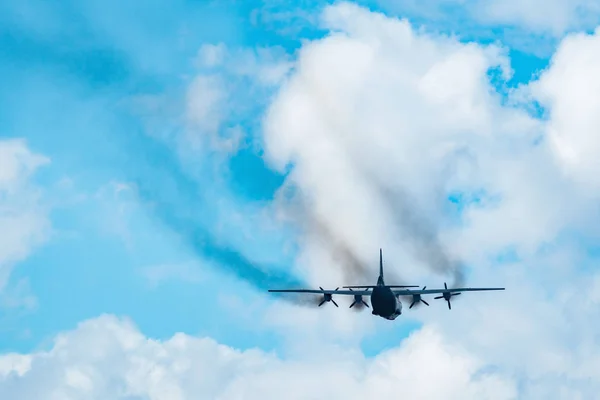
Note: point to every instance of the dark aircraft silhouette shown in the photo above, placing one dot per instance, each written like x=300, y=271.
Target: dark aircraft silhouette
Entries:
x=385, y=298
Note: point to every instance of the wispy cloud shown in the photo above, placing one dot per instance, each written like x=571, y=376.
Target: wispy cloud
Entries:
x=185, y=272
x=23, y=216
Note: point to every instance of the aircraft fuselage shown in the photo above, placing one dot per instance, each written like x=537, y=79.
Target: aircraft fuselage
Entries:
x=384, y=303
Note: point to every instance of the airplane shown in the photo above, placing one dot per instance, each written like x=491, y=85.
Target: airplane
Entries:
x=385, y=299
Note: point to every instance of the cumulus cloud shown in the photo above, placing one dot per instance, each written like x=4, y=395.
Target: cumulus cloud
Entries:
x=570, y=91
x=108, y=357
x=382, y=124
x=377, y=107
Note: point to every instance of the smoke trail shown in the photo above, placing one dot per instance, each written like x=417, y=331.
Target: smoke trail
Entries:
x=418, y=232
x=421, y=234
x=295, y=208
x=355, y=269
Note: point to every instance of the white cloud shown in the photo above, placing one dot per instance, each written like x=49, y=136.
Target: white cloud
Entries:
x=18, y=163
x=378, y=105
x=231, y=84
x=14, y=363
x=211, y=55
x=22, y=217
x=555, y=17
x=109, y=358
x=523, y=20
x=206, y=97
x=570, y=90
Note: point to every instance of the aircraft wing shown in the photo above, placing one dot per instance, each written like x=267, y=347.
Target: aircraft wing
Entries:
x=374, y=286
x=407, y=292
x=321, y=291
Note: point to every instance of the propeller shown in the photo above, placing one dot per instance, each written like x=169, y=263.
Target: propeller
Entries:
x=358, y=301
x=327, y=297
x=446, y=296
x=418, y=300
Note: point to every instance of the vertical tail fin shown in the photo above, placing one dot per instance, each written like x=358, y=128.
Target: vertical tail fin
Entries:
x=380, y=279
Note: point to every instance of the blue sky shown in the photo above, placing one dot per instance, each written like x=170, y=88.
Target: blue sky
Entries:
x=70, y=75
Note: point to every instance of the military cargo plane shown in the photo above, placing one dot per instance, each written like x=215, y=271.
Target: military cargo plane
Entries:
x=385, y=299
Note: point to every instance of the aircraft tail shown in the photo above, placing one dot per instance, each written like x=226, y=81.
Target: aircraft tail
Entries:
x=380, y=279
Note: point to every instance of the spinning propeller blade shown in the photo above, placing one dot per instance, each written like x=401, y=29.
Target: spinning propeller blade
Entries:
x=446, y=296
x=358, y=301
x=328, y=297
x=417, y=299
